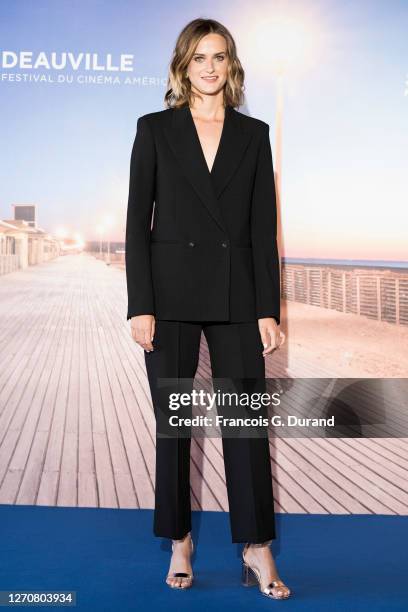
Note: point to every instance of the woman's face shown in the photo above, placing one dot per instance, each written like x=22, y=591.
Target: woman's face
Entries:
x=207, y=69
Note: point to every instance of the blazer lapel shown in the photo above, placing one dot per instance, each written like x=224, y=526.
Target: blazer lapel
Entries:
x=183, y=139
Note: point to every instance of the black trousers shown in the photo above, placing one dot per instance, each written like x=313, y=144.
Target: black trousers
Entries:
x=235, y=351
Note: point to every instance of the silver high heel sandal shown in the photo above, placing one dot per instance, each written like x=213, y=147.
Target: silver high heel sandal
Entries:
x=252, y=576
x=187, y=579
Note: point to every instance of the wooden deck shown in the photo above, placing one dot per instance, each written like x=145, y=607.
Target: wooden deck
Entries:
x=76, y=422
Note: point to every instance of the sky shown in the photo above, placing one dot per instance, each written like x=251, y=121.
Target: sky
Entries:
x=66, y=146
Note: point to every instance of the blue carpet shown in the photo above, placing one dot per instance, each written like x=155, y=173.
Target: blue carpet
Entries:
x=113, y=561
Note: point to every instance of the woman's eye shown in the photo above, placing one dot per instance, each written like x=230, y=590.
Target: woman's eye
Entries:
x=219, y=57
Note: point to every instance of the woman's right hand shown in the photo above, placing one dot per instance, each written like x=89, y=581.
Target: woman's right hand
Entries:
x=142, y=328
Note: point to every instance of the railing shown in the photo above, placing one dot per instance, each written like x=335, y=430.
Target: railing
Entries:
x=115, y=258
x=370, y=292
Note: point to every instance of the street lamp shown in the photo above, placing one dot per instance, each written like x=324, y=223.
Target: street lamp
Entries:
x=79, y=240
x=288, y=42
x=108, y=221
x=100, y=230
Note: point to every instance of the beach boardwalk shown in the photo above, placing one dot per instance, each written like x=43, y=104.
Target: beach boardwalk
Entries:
x=77, y=426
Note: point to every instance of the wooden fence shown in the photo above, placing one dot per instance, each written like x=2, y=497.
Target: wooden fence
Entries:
x=375, y=293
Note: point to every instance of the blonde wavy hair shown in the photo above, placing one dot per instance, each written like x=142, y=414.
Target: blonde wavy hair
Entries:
x=179, y=92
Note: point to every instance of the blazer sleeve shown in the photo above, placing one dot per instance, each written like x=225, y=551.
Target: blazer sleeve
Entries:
x=263, y=234
x=138, y=222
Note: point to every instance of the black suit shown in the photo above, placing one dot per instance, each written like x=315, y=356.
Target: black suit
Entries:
x=209, y=263
x=211, y=254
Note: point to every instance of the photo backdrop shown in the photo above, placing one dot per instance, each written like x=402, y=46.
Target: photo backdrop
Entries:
x=331, y=79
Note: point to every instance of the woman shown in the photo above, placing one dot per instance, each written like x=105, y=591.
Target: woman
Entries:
x=208, y=262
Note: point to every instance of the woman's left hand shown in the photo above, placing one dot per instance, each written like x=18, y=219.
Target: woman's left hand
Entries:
x=271, y=335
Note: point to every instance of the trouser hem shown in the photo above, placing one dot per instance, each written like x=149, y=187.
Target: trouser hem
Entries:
x=253, y=540
x=175, y=535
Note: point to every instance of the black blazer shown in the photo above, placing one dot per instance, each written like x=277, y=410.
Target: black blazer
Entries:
x=211, y=252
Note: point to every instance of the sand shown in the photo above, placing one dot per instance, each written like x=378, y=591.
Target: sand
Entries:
x=347, y=345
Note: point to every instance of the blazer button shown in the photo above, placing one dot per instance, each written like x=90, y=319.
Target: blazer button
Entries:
x=191, y=244
x=224, y=244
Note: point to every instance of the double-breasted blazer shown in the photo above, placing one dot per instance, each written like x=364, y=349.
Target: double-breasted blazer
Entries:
x=201, y=245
